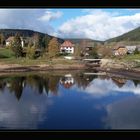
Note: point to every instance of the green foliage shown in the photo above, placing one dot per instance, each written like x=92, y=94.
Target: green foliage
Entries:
x=136, y=51
x=93, y=53
x=6, y=53
x=16, y=46
x=2, y=39
x=30, y=52
x=53, y=48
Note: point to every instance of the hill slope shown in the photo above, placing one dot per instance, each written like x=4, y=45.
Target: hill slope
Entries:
x=24, y=33
x=78, y=40
x=133, y=35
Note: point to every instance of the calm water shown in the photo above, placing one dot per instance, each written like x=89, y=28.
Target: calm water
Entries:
x=69, y=101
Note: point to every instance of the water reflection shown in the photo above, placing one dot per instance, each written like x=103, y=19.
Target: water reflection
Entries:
x=38, y=106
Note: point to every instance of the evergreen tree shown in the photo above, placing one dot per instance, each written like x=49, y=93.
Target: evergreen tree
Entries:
x=53, y=47
x=2, y=39
x=16, y=46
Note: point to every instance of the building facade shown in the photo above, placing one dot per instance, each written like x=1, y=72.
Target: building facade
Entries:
x=67, y=47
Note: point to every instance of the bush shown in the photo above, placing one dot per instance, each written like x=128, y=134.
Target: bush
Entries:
x=136, y=51
x=30, y=52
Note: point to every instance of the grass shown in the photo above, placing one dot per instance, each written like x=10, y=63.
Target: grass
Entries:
x=6, y=53
x=132, y=57
x=7, y=57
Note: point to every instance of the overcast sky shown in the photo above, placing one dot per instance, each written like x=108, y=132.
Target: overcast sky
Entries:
x=98, y=24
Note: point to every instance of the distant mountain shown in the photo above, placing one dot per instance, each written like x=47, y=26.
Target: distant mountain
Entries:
x=78, y=40
x=25, y=33
x=133, y=35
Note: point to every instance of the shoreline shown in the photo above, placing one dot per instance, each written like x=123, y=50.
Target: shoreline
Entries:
x=14, y=68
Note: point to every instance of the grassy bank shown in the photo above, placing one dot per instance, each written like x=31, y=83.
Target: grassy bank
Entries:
x=7, y=57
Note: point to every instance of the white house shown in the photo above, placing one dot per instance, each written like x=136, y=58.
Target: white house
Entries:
x=67, y=47
x=131, y=49
x=10, y=40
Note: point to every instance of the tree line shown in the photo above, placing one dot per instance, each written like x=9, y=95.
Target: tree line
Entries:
x=44, y=44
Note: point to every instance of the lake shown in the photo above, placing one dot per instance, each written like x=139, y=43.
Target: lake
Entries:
x=67, y=100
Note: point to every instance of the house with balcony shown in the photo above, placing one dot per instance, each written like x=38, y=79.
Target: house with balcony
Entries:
x=67, y=47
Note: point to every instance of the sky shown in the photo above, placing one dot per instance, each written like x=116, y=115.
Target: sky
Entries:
x=97, y=24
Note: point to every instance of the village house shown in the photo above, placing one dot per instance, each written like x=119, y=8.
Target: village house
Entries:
x=10, y=40
x=138, y=47
x=119, y=50
x=67, y=47
x=130, y=49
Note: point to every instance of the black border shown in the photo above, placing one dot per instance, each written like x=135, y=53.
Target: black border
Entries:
x=70, y=4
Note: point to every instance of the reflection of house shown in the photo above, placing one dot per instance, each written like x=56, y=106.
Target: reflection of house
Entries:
x=67, y=47
x=67, y=81
x=119, y=81
x=10, y=40
x=119, y=50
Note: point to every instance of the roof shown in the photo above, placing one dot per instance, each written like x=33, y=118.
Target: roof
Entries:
x=11, y=38
x=131, y=47
x=67, y=43
x=67, y=85
x=117, y=47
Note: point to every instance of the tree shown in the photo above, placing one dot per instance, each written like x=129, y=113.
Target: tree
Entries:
x=77, y=51
x=93, y=53
x=136, y=51
x=16, y=46
x=53, y=48
x=2, y=39
x=30, y=52
x=37, y=40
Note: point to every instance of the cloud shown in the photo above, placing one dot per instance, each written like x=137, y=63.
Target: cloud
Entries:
x=26, y=113
x=102, y=88
x=49, y=16
x=120, y=116
x=33, y=19
x=99, y=25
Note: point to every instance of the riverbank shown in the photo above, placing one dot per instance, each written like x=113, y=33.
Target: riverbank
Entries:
x=19, y=68
x=107, y=65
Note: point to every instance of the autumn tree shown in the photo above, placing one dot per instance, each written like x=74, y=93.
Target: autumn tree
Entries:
x=45, y=41
x=77, y=51
x=37, y=40
x=16, y=46
x=53, y=48
x=30, y=52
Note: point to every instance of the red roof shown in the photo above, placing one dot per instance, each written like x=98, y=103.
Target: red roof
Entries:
x=67, y=43
x=67, y=85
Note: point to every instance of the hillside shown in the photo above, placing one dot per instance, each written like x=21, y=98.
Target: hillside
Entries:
x=133, y=35
x=78, y=40
x=24, y=33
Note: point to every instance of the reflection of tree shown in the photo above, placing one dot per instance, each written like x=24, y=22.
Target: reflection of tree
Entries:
x=119, y=81
x=2, y=85
x=16, y=86
x=84, y=80
x=136, y=82
x=53, y=84
x=38, y=83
